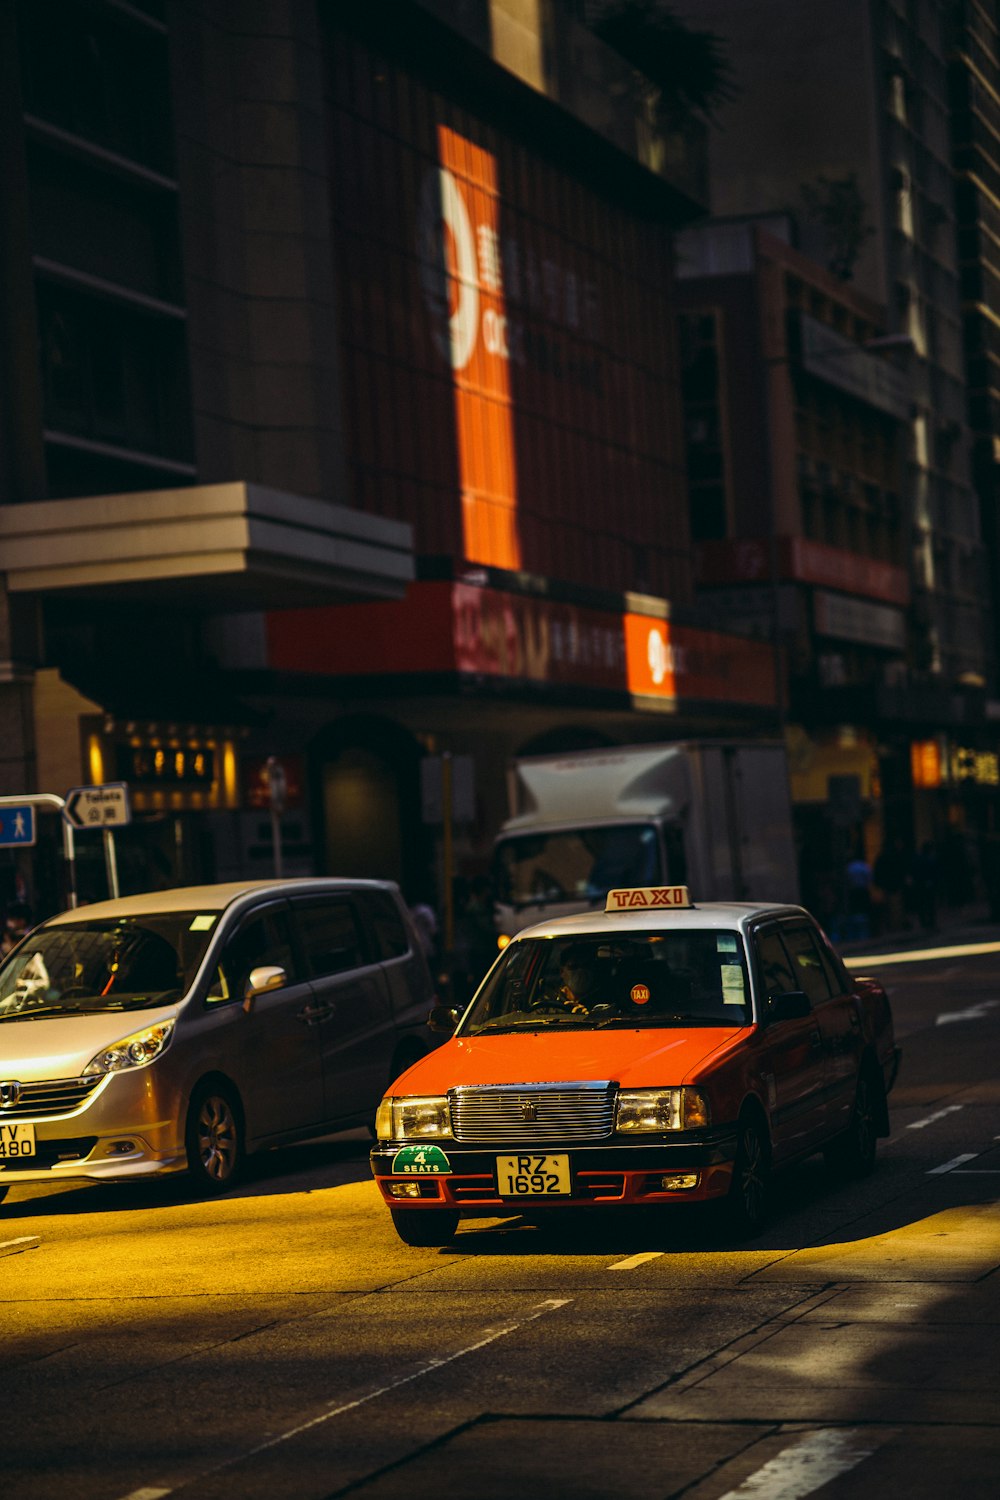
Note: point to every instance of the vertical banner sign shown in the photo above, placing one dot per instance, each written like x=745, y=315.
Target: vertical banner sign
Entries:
x=462, y=276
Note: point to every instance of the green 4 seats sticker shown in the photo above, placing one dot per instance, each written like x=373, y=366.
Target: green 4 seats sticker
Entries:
x=421, y=1160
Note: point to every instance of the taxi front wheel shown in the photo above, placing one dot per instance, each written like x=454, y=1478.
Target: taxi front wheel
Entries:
x=745, y=1209
x=214, y=1139
x=429, y=1228
x=853, y=1153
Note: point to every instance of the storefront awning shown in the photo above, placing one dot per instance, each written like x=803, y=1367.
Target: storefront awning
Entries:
x=211, y=548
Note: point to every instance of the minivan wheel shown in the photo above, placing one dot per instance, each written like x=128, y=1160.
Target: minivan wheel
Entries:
x=214, y=1139
x=429, y=1228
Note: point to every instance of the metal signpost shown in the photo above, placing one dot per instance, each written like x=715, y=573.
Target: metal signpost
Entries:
x=14, y=813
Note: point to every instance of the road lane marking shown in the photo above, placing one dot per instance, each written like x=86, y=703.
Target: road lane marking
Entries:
x=635, y=1260
x=436, y=1362
x=23, y=1242
x=949, y=1109
x=874, y=960
x=802, y=1468
x=950, y=1166
x=973, y=1013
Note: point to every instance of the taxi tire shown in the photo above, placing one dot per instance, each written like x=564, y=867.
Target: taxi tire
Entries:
x=3, y=1192
x=214, y=1139
x=853, y=1153
x=426, y=1228
x=745, y=1209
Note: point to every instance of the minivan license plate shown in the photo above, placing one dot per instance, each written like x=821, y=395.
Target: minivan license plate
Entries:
x=16, y=1141
x=533, y=1176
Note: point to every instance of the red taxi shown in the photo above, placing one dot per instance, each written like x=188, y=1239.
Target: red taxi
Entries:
x=659, y=1052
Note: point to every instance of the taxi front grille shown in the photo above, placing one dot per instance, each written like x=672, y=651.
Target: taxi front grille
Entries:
x=533, y=1112
x=56, y=1096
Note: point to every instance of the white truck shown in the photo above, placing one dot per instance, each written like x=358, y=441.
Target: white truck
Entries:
x=714, y=815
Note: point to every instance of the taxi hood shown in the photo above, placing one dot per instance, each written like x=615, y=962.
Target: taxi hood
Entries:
x=643, y=1058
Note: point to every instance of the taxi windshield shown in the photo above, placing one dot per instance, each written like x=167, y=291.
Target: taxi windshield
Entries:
x=685, y=977
x=119, y=964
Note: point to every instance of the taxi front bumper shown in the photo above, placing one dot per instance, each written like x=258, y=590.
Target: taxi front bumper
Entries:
x=604, y=1175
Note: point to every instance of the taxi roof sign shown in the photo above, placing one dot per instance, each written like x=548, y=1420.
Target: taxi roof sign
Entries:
x=648, y=897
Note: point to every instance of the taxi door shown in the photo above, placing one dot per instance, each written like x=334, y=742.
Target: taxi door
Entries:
x=280, y=1071
x=792, y=1059
x=838, y=1011
x=353, y=1020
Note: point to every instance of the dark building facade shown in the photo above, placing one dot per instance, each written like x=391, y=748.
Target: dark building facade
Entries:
x=342, y=426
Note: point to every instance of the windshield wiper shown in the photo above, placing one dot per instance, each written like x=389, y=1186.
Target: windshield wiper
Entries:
x=668, y=1021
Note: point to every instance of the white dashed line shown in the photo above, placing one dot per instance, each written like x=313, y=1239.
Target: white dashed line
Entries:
x=23, y=1242
x=938, y=1115
x=635, y=1260
x=802, y=1468
x=436, y=1362
x=950, y=1166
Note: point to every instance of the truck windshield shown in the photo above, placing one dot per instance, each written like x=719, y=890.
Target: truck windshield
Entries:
x=129, y=964
x=687, y=977
x=575, y=864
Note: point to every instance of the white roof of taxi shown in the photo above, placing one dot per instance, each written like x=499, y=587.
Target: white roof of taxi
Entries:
x=206, y=898
x=734, y=914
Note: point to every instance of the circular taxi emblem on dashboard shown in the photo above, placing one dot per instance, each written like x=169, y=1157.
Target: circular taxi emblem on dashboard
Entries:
x=639, y=994
x=420, y=1161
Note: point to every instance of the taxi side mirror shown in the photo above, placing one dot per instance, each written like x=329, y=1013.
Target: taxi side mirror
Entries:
x=791, y=1005
x=443, y=1018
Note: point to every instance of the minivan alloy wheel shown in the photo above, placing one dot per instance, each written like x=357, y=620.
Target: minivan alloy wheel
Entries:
x=215, y=1147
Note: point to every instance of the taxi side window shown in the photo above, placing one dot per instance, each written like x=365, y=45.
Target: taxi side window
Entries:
x=810, y=970
x=776, y=969
x=264, y=939
x=331, y=937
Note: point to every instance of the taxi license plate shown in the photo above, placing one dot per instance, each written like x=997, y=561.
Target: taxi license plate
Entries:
x=533, y=1176
x=16, y=1141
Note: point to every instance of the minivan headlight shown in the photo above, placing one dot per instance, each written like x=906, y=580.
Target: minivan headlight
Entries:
x=659, y=1110
x=415, y=1117
x=135, y=1051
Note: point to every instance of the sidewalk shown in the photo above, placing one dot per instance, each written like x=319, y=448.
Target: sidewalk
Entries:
x=955, y=925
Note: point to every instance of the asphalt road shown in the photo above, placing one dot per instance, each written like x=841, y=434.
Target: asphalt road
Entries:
x=281, y=1342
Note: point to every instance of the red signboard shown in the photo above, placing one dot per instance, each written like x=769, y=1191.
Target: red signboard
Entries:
x=800, y=560
x=484, y=632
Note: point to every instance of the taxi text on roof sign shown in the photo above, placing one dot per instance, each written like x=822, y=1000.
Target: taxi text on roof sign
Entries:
x=648, y=896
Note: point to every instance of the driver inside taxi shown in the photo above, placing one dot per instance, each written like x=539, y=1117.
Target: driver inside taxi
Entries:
x=577, y=981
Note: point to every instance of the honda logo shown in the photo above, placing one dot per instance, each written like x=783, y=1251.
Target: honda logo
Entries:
x=10, y=1093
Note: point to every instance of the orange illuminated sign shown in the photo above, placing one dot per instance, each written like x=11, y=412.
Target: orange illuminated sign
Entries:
x=925, y=764
x=460, y=236
x=669, y=661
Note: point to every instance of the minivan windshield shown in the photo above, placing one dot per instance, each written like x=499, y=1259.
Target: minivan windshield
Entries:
x=133, y=963
x=687, y=977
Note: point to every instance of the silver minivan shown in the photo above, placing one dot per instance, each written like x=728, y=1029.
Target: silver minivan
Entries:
x=182, y=1029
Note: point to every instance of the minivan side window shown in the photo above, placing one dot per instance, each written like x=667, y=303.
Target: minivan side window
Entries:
x=386, y=923
x=331, y=937
x=262, y=939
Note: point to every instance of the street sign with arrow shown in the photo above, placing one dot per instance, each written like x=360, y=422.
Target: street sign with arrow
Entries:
x=104, y=806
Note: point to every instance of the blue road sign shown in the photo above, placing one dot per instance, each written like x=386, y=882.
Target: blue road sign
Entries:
x=17, y=826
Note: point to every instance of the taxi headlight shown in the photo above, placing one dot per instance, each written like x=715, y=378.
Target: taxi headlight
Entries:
x=135, y=1051
x=658, y=1110
x=413, y=1118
